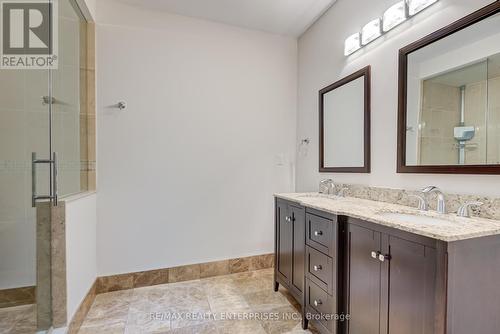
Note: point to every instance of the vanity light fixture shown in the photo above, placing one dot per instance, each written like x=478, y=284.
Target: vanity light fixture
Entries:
x=371, y=31
x=392, y=17
x=416, y=6
x=352, y=44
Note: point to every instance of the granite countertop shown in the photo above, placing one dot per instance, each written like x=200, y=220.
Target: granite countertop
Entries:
x=453, y=229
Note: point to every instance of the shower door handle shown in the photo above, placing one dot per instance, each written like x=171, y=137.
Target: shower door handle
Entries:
x=53, y=196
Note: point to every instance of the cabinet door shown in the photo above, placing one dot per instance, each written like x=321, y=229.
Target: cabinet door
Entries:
x=284, y=242
x=299, y=242
x=363, y=281
x=410, y=286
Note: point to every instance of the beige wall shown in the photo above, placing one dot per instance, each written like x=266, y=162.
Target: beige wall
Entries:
x=476, y=101
x=494, y=120
x=440, y=114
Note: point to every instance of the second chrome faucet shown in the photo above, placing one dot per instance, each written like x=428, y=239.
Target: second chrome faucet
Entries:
x=441, y=204
x=463, y=211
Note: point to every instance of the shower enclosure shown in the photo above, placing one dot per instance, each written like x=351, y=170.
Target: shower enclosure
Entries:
x=458, y=120
x=43, y=157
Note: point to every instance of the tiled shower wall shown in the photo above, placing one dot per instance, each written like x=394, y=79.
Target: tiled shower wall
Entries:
x=441, y=113
x=88, y=109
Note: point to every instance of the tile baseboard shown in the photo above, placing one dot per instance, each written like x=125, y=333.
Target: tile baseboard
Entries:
x=83, y=310
x=17, y=296
x=163, y=276
x=183, y=273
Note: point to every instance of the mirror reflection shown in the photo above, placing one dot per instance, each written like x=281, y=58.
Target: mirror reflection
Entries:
x=344, y=121
x=453, y=101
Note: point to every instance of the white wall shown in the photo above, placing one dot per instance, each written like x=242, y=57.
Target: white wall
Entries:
x=187, y=172
x=81, y=266
x=322, y=62
x=92, y=7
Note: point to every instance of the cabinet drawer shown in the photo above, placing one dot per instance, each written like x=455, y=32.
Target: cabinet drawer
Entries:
x=321, y=308
x=320, y=234
x=320, y=269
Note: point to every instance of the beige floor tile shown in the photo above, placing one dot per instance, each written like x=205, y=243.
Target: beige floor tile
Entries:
x=228, y=304
x=298, y=330
x=240, y=327
x=18, y=319
x=109, y=312
x=188, y=316
x=285, y=319
x=111, y=329
x=266, y=300
x=196, y=307
x=252, y=285
x=208, y=328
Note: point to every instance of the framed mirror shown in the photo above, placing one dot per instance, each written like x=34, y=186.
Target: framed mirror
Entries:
x=344, y=125
x=449, y=98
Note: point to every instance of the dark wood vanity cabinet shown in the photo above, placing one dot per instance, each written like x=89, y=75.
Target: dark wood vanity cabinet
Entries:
x=290, y=247
x=385, y=280
x=391, y=279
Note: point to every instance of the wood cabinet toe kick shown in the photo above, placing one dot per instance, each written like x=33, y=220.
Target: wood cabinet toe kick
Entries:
x=351, y=276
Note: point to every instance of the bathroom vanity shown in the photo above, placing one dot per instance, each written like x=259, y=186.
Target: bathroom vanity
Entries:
x=387, y=268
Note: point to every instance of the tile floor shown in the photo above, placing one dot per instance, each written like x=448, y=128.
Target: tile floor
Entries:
x=198, y=307
x=18, y=320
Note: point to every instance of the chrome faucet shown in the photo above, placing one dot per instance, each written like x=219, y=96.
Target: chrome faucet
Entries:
x=327, y=187
x=422, y=202
x=441, y=204
x=464, y=210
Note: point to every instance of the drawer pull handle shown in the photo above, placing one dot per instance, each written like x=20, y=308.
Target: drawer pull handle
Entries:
x=318, y=268
x=318, y=233
x=318, y=302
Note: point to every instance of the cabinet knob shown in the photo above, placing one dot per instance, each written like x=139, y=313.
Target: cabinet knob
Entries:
x=288, y=219
x=318, y=302
x=317, y=268
x=318, y=233
x=375, y=254
x=383, y=257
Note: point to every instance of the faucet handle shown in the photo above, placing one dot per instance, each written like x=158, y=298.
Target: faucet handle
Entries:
x=430, y=189
x=422, y=202
x=464, y=210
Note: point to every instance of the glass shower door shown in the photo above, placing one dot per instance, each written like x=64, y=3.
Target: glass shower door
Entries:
x=24, y=129
x=41, y=112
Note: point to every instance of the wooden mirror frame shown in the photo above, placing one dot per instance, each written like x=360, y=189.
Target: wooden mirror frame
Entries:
x=461, y=24
x=366, y=73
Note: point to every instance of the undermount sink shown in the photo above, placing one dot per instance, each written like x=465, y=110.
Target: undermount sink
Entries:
x=415, y=218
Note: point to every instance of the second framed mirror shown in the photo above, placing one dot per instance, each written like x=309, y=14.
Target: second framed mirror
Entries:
x=344, y=125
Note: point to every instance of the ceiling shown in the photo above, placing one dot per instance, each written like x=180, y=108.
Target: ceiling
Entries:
x=284, y=17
